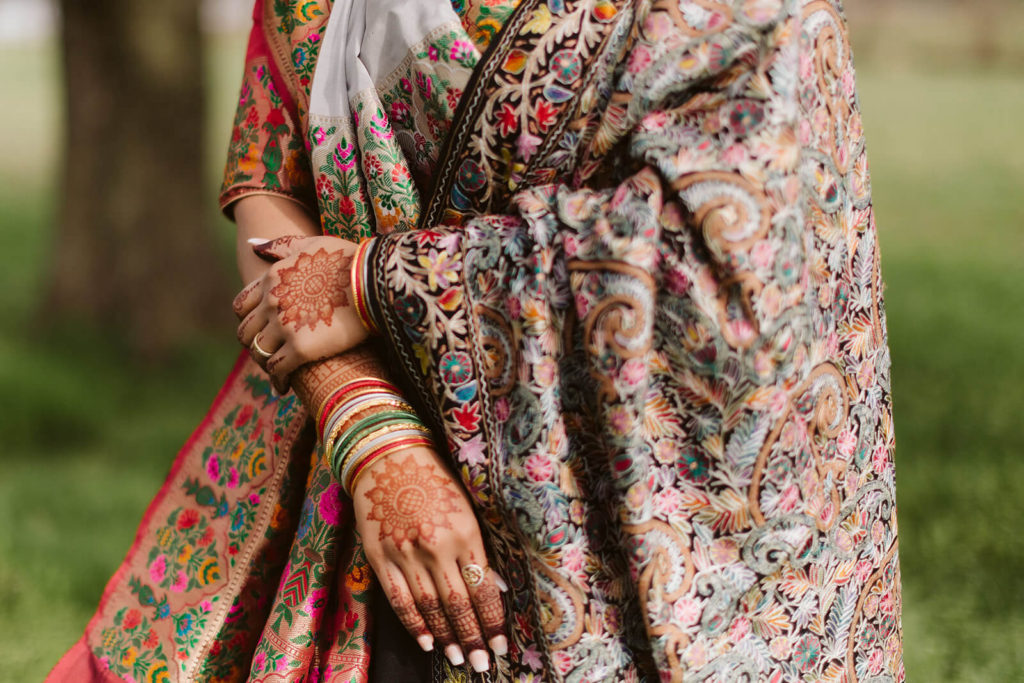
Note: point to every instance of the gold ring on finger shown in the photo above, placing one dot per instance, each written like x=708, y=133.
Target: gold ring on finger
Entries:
x=257, y=349
x=473, y=574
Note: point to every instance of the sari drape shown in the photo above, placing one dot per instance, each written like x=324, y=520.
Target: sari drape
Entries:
x=627, y=264
x=246, y=566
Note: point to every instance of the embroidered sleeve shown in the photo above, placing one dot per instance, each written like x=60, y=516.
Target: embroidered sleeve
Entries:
x=266, y=154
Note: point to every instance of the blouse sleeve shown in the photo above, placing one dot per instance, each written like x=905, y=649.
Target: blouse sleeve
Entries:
x=266, y=154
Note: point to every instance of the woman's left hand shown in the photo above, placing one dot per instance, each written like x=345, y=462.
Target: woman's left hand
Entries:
x=301, y=309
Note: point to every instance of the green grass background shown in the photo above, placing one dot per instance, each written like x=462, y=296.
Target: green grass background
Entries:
x=87, y=436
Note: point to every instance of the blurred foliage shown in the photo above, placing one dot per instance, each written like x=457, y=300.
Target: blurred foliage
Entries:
x=88, y=438
x=939, y=35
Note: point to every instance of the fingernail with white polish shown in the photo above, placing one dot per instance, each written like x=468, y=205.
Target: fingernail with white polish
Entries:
x=257, y=241
x=426, y=642
x=499, y=646
x=454, y=655
x=479, y=661
x=501, y=583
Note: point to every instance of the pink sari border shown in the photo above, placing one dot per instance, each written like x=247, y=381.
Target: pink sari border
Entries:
x=78, y=663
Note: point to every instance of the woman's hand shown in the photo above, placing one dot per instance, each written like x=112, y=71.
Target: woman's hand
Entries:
x=423, y=542
x=300, y=310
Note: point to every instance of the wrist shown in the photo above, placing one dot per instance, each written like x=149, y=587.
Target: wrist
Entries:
x=365, y=420
x=421, y=453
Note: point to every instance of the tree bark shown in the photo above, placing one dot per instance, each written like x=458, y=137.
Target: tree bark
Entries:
x=133, y=252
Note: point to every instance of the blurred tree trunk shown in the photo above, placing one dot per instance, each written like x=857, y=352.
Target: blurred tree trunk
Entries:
x=983, y=21
x=133, y=252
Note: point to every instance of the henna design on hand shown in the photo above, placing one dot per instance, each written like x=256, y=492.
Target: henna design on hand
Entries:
x=310, y=290
x=238, y=304
x=411, y=501
x=463, y=618
x=490, y=610
x=408, y=613
x=433, y=613
x=315, y=382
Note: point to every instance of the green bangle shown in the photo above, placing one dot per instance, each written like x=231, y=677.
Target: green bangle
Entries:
x=363, y=427
x=358, y=429
x=344, y=452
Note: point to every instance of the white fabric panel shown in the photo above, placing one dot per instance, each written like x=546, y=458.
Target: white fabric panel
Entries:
x=364, y=42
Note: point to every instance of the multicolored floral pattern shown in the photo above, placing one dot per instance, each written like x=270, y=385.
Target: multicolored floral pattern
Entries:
x=397, y=135
x=246, y=566
x=266, y=153
x=512, y=130
x=254, y=576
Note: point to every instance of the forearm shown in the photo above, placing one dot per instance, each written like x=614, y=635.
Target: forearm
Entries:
x=314, y=383
x=263, y=216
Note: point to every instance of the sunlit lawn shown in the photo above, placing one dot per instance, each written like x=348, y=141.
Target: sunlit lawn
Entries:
x=87, y=437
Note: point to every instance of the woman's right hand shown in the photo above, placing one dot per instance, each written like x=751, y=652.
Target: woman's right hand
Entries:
x=420, y=535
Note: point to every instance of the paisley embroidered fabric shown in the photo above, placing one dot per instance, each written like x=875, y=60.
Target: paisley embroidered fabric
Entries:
x=656, y=343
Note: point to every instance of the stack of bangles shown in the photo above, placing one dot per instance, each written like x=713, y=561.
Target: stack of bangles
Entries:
x=360, y=280
x=363, y=421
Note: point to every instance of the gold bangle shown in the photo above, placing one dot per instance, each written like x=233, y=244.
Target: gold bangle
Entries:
x=397, y=402
x=359, y=287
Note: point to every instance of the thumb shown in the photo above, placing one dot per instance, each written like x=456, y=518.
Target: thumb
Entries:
x=277, y=249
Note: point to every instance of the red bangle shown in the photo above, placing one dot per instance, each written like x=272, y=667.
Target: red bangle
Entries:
x=359, y=288
x=345, y=391
x=325, y=412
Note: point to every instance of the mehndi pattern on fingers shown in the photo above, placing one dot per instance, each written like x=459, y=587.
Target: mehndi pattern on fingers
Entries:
x=433, y=613
x=407, y=612
x=238, y=303
x=463, y=619
x=490, y=610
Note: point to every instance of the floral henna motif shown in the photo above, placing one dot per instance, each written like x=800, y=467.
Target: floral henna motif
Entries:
x=313, y=288
x=411, y=501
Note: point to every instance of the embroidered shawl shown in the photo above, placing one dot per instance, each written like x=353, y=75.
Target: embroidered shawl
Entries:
x=645, y=307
